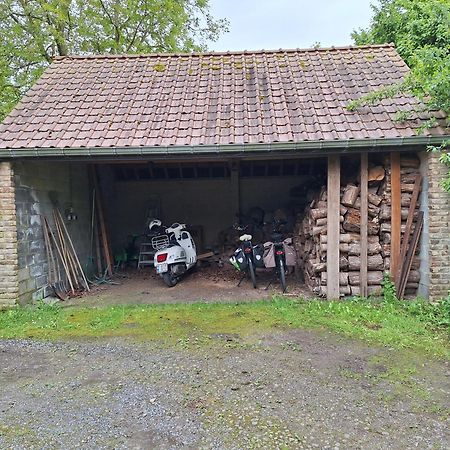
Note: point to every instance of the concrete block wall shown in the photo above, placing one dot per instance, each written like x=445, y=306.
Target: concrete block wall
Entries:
x=9, y=286
x=205, y=202
x=438, y=229
x=39, y=187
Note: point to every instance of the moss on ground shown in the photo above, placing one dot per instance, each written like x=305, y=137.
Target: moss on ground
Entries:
x=383, y=323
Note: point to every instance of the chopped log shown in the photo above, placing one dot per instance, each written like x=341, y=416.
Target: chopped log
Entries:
x=343, y=278
x=385, y=212
x=414, y=277
x=343, y=247
x=352, y=222
x=319, y=230
x=374, y=290
x=373, y=248
x=343, y=263
x=350, y=195
x=376, y=173
x=373, y=278
x=350, y=237
x=344, y=291
x=407, y=187
x=318, y=213
x=318, y=267
x=374, y=199
x=323, y=221
x=374, y=262
x=373, y=211
x=409, y=162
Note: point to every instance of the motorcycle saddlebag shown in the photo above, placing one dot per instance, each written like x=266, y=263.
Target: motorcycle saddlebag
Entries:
x=258, y=252
x=269, y=255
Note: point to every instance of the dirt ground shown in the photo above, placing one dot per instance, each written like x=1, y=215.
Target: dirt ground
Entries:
x=205, y=284
x=286, y=390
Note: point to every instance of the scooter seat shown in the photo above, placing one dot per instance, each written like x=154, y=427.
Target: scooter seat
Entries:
x=245, y=237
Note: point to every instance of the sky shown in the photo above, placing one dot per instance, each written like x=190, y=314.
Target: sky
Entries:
x=274, y=24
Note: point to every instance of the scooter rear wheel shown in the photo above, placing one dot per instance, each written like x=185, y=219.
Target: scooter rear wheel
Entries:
x=170, y=279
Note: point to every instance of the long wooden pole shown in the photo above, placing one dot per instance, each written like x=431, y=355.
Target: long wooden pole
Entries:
x=69, y=261
x=66, y=269
x=101, y=218
x=333, y=224
x=409, y=224
x=77, y=261
x=409, y=256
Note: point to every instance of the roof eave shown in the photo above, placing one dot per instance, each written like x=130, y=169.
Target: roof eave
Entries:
x=307, y=147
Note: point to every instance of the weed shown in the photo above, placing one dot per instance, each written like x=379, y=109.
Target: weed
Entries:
x=388, y=289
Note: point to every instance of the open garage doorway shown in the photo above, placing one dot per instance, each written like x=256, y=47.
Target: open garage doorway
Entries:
x=210, y=197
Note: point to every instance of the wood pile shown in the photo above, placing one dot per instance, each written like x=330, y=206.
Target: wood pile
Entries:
x=311, y=231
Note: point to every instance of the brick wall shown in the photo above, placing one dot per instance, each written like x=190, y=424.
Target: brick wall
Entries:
x=9, y=286
x=439, y=229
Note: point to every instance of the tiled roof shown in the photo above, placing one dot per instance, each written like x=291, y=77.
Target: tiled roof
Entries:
x=211, y=98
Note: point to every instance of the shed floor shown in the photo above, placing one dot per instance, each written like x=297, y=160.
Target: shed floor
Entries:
x=206, y=284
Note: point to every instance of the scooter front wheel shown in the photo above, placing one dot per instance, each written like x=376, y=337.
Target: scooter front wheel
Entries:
x=170, y=279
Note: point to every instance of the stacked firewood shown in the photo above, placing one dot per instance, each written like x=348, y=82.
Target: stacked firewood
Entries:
x=311, y=232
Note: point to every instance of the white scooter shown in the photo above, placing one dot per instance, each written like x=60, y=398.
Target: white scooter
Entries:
x=175, y=255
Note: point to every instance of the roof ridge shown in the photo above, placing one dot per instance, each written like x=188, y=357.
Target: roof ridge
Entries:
x=225, y=53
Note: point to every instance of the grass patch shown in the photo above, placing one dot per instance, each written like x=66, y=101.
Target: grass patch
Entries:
x=399, y=325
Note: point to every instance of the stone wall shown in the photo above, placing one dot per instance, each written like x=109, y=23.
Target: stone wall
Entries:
x=41, y=186
x=438, y=229
x=8, y=238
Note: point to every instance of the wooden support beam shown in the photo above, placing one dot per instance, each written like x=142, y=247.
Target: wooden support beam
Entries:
x=364, y=224
x=333, y=224
x=396, y=210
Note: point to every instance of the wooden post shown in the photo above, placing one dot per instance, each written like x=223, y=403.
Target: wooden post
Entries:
x=364, y=225
x=396, y=210
x=333, y=224
x=101, y=220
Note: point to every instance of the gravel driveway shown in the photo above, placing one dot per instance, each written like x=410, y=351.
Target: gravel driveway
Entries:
x=289, y=390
